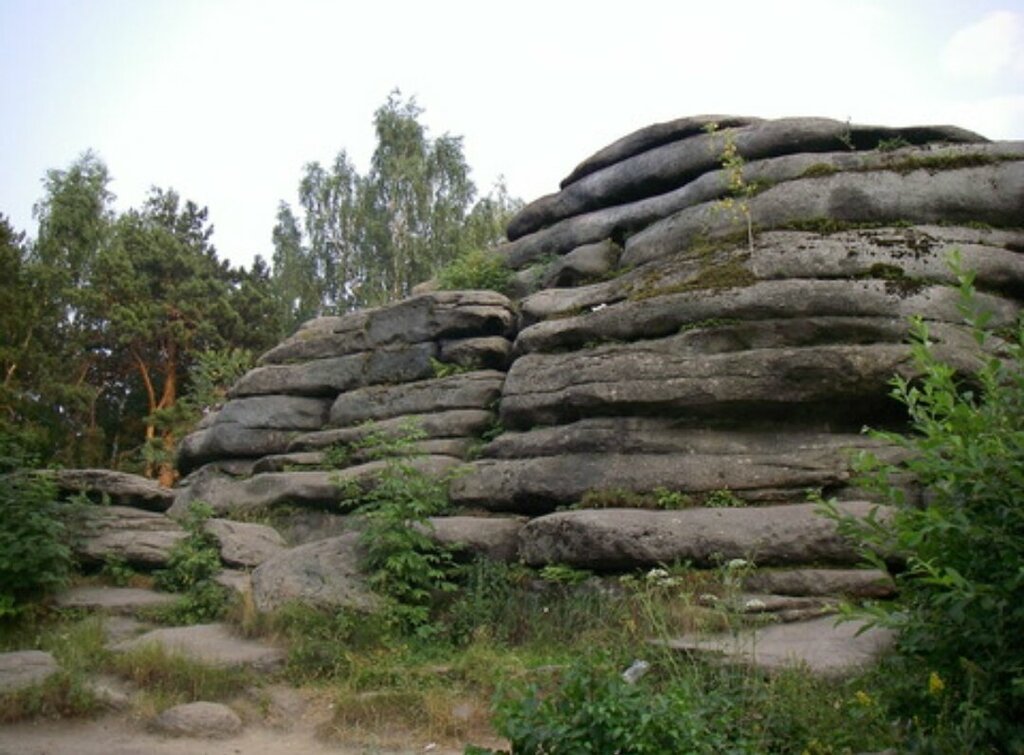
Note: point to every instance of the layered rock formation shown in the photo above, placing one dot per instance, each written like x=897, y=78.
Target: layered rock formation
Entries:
x=709, y=312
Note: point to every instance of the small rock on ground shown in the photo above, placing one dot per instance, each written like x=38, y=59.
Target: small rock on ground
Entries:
x=199, y=719
x=24, y=668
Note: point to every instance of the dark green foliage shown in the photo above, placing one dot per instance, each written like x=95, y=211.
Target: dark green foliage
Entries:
x=683, y=707
x=405, y=565
x=191, y=567
x=476, y=269
x=959, y=671
x=35, y=557
x=368, y=239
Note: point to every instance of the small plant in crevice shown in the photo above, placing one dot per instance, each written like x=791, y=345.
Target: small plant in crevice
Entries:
x=193, y=563
x=447, y=369
x=740, y=191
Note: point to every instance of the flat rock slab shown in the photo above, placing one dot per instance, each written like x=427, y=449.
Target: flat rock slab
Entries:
x=857, y=583
x=25, y=668
x=821, y=645
x=140, y=538
x=120, y=600
x=199, y=719
x=611, y=539
x=119, y=488
x=213, y=644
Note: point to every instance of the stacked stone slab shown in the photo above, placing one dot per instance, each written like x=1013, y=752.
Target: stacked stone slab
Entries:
x=339, y=378
x=721, y=329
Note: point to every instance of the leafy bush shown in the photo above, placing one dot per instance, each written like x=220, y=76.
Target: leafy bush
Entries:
x=960, y=662
x=476, y=269
x=34, y=554
x=405, y=565
x=683, y=708
x=193, y=563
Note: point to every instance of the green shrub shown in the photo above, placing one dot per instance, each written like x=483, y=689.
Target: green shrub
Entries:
x=404, y=564
x=960, y=664
x=193, y=563
x=476, y=269
x=35, y=557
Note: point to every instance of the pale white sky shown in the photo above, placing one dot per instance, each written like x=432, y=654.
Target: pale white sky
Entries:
x=226, y=100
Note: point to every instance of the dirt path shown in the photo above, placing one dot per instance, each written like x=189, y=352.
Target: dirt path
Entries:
x=112, y=735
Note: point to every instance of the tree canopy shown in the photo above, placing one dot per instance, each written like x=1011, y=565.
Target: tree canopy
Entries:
x=368, y=239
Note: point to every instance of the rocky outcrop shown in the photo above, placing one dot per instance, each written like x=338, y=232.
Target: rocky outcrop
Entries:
x=352, y=362
x=710, y=311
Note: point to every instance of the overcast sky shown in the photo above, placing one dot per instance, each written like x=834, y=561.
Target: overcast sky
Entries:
x=226, y=101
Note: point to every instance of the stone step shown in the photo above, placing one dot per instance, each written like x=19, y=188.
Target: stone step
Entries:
x=213, y=644
x=113, y=600
x=822, y=645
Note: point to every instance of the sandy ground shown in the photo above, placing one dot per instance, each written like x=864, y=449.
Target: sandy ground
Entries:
x=112, y=735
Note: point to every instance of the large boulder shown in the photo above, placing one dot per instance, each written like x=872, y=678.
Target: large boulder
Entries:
x=496, y=538
x=324, y=574
x=616, y=539
x=198, y=719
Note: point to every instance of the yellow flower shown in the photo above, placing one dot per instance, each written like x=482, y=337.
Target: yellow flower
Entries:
x=935, y=684
x=863, y=698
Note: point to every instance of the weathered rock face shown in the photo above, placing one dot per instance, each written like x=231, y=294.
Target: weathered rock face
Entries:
x=140, y=538
x=691, y=331
x=323, y=574
x=118, y=488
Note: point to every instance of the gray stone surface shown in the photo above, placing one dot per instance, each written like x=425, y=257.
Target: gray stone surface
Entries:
x=664, y=168
x=539, y=485
x=198, y=719
x=118, y=600
x=427, y=317
x=626, y=219
x=328, y=377
x=119, y=488
x=856, y=583
x=302, y=488
x=665, y=314
x=650, y=137
x=245, y=543
x=323, y=574
x=140, y=538
x=488, y=352
x=229, y=440
x=652, y=376
x=279, y=412
x=613, y=539
x=25, y=668
x=469, y=390
x=880, y=196
x=822, y=645
x=458, y=423
x=496, y=538
x=583, y=263
x=212, y=644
